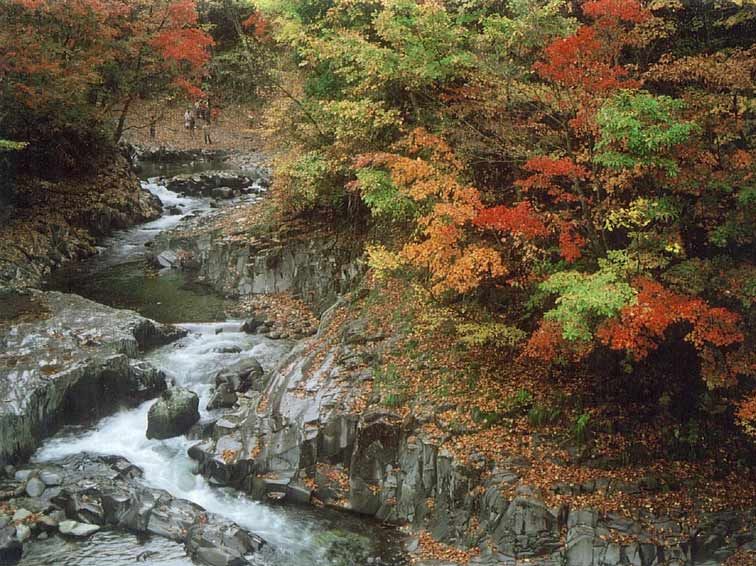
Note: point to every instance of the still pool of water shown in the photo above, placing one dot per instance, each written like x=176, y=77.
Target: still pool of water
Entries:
x=119, y=276
x=168, y=295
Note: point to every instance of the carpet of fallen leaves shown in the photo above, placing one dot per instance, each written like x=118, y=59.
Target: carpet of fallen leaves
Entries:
x=446, y=385
x=284, y=315
x=235, y=128
x=431, y=549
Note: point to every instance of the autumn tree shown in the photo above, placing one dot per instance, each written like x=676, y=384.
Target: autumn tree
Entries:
x=66, y=66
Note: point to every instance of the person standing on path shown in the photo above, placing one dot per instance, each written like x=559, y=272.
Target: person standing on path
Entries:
x=206, y=133
x=188, y=122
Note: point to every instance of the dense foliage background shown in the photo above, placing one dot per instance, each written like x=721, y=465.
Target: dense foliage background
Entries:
x=575, y=179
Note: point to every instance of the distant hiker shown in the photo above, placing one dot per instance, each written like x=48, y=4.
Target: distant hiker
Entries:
x=206, y=133
x=188, y=119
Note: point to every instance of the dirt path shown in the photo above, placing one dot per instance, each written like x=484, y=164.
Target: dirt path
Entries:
x=233, y=130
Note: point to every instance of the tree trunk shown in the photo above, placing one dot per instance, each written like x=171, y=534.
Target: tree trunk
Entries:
x=122, y=118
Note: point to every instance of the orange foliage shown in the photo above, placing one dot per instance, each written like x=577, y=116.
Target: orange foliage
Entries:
x=641, y=326
x=570, y=242
x=257, y=25
x=547, y=343
x=548, y=171
x=519, y=219
x=746, y=414
x=428, y=176
x=583, y=60
x=616, y=11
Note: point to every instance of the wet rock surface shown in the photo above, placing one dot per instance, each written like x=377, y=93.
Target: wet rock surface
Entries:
x=173, y=414
x=315, y=267
x=100, y=492
x=65, y=359
x=237, y=378
x=220, y=184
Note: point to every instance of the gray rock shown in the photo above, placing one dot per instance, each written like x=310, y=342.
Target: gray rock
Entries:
x=209, y=182
x=222, y=193
x=47, y=523
x=223, y=398
x=21, y=515
x=76, y=529
x=241, y=376
x=146, y=381
x=35, y=487
x=22, y=475
x=227, y=350
x=50, y=478
x=251, y=325
x=219, y=557
x=23, y=533
x=173, y=414
x=168, y=259
x=10, y=549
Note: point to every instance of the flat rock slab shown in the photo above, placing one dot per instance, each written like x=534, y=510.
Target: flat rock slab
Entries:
x=66, y=359
x=76, y=529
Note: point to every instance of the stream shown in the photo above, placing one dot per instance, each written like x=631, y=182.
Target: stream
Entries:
x=118, y=276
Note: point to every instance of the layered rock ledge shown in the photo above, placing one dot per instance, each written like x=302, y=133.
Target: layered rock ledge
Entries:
x=311, y=263
x=65, y=359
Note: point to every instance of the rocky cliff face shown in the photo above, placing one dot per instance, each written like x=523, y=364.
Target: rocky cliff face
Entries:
x=65, y=359
x=308, y=434
x=316, y=267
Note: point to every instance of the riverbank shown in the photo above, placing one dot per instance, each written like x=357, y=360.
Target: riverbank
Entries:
x=55, y=222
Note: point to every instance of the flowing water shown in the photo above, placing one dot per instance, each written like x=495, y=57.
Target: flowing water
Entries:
x=302, y=536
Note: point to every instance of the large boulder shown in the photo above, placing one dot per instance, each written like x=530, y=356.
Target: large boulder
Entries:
x=173, y=414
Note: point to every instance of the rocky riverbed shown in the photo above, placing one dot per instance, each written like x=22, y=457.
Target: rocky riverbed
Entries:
x=68, y=361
